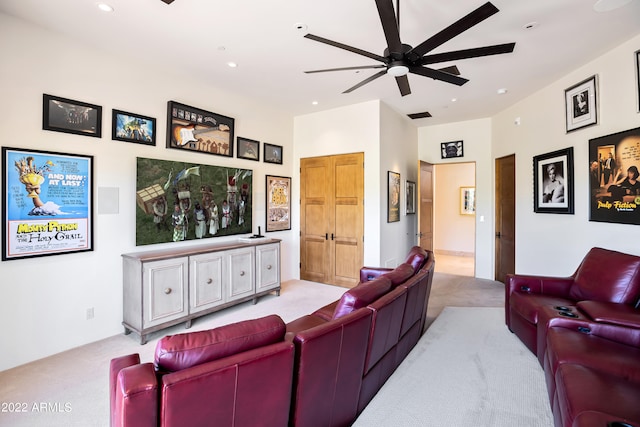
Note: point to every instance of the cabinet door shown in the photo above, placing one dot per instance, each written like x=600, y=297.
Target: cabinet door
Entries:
x=267, y=266
x=165, y=290
x=240, y=278
x=205, y=281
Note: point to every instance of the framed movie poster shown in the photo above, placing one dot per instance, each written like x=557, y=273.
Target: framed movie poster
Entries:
x=69, y=116
x=393, y=197
x=278, y=190
x=47, y=203
x=194, y=129
x=614, y=161
x=553, y=182
x=180, y=201
x=131, y=127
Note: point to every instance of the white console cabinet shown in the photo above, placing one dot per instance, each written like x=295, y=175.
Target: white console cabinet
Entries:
x=165, y=287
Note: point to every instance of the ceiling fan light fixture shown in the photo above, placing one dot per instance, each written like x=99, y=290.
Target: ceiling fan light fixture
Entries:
x=398, y=70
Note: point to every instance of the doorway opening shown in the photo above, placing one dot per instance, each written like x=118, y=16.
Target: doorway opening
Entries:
x=454, y=231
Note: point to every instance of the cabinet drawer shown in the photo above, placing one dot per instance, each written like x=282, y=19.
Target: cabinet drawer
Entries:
x=240, y=273
x=165, y=286
x=206, y=281
x=267, y=266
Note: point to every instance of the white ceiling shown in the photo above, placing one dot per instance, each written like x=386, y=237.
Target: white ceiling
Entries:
x=199, y=37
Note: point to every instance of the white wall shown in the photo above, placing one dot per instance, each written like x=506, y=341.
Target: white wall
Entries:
x=555, y=244
x=476, y=135
x=44, y=300
x=455, y=232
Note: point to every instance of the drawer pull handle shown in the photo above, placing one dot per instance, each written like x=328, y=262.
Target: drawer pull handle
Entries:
x=268, y=267
x=242, y=273
x=167, y=291
x=210, y=281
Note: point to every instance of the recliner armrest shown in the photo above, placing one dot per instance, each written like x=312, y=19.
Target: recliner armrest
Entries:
x=611, y=312
x=136, y=397
x=553, y=286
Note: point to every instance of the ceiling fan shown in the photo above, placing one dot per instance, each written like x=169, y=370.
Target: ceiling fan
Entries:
x=399, y=59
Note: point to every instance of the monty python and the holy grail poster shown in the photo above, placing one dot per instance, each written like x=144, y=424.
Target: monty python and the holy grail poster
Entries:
x=179, y=201
x=47, y=203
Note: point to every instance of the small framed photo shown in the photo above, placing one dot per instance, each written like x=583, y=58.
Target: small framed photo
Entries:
x=194, y=129
x=581, y=104
x=553, y=182
x=131, y=127
x=410, y=197
x=278, y=211
x=69, y=116
x=449, y=150
x=247, y=149
x=467, y=200
x=393, y=197
x=272, y=153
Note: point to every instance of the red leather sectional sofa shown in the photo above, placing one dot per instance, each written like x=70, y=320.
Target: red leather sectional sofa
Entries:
x=319, y=370
x=585, y=331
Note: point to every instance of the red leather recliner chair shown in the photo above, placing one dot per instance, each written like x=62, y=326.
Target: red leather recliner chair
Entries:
x=239, y=374
x=603, y=276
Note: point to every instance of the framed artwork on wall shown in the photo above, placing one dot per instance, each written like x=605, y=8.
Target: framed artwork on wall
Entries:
x=131, y=127
x=69, y=116
x=47, y=203
x=393, y=197
x=553, y=182
x=614, y=181
x=467, y=200
x=410, y=197
x=247, y=149
x=179, y=201
x=450, y=150
x=637, y=57
x=272, y=153
x=581, y=104
x=278, y=212
x=194, y=129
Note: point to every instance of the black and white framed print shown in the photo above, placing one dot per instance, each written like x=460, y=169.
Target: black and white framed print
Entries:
x=581, y=104
x=553, y=182
x=449, y=150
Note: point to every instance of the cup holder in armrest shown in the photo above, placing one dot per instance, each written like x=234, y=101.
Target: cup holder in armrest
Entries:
x=568, y=314
x=562, y=308
x=618, y=424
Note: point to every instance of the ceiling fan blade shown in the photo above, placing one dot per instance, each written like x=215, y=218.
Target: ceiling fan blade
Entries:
x=422, y=115
x=468, y=53
x=403, y=85
x=363, y=67
x=346, y=47
x=389, y=25
x=168, y=1
x=452, y=69
x=365, y=81
x=458, y=27
x=438, y=75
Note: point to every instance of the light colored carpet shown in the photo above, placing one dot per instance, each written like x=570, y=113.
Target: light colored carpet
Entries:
x=467, y=370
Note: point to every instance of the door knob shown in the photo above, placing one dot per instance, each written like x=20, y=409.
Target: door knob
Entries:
x=498, y=234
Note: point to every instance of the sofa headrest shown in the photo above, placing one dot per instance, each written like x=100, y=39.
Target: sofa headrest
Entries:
x=361, y=296
x=607, y=276
x=416, y=258
x=400, y=274
x=177, y=352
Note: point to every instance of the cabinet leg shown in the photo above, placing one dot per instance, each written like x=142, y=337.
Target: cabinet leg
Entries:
x=255, y=300
x=187, y=324
x=278, y=293
x=127, y=331
x=143, y=339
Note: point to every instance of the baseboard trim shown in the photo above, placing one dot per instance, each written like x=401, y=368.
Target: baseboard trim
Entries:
x=453, y=253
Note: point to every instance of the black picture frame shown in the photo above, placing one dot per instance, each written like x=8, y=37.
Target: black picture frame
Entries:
x=553, y=184
x=393, y=196
x=272, y=153
x=186, y=123
x=614, y=161
x=451, y=149
x=247, y=149
x=131, y=127
x=637, y=58
x=70, y=116
x=410, y=198
x=581, y=104
x=47, y=203
x=278, y=201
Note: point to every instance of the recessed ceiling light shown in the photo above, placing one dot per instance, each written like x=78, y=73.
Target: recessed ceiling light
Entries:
x=609, y=5
x=454, y=99
x=314, y=103
x=300, y=26
x=531, y=25
x=502, y=91
x=105, y=7
x=232, y=64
